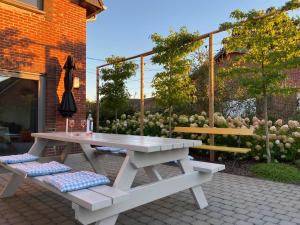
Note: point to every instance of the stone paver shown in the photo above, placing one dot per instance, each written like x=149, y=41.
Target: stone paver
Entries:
x=232, y=200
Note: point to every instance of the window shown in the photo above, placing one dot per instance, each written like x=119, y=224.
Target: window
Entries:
x=35, y=3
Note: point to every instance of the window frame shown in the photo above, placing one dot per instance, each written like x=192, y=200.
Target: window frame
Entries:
x=24, y=6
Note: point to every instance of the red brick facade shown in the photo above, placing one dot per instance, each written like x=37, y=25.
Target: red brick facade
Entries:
x=39, y=43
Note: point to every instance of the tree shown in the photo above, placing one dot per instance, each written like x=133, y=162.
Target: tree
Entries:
x=173, y=86
x=115, y=95
x=271, y=43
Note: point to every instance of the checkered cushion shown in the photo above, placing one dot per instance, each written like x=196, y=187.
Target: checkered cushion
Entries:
x=33, y=169
x=112, y=149
x=12, y=159
x=75, y=181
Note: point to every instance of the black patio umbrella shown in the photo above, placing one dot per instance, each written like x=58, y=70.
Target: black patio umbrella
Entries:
x=68, y=106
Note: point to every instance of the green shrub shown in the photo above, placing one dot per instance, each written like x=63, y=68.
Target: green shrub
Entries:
x=284, y=138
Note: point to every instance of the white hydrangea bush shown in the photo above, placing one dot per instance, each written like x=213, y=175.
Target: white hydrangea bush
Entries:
x=284, y=138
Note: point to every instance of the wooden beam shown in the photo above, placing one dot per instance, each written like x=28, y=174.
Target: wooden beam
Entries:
x=97, y=99
x=142, y=100
x=211, y=91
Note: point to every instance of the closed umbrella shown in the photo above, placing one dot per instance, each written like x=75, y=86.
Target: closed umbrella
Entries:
x=68, y=106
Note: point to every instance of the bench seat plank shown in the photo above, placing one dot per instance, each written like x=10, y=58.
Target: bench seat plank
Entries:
x=207, y=167
x=86, y=198
x=115, y=194
x=223, y=148
x=214, y=130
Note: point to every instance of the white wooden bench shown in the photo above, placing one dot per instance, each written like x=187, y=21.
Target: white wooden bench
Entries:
x=93, y=198
x=103, y=204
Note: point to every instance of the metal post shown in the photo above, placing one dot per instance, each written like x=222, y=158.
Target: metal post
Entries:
x=142, y=100
x=211, y=92
x=97, y=99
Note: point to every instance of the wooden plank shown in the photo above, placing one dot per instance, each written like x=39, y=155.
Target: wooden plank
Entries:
x=85, y=198
x=144, y=194
x=211, y=92
x=223, y=148
x=208, y=130
x=206, y=167
x=141, y=160
x=131, y=142
x=142, y=101
x=115, y=194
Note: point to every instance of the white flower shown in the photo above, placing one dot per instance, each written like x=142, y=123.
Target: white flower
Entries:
x=107, y=122
x=193, y=125
x=219, y=158
x=256, y=158
x=291, y=140
x=284, y=128
x=258, y=147
x=273, y=129
x=298, y=150
x=288, y=145
x=279, y=122
x=248, y=144
x=123, y=116
x=283, y=156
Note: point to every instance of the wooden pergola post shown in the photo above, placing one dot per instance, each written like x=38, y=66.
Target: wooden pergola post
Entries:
x=211, y=92
x=142, y=100
x=97, y=99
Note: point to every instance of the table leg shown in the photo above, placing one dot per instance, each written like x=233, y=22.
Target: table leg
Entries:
x=12, y=186
x=152, y=173
x=38, y=147
x=197, y=192
x=17, y=180
x=123, y=181
x=66, y=152
x=92, y=158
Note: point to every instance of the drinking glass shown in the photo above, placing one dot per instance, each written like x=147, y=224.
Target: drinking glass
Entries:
x=71, y=124
x=83, y=124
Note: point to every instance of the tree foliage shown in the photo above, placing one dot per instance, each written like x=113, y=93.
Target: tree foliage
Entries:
x=114, y=93
x=271, y=45
x=173, y=86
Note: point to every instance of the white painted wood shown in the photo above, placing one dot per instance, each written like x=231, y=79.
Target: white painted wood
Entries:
x=38, y=146
x=152, y=173
x=141, y=159
x=131, y=142
x=206, y=167
x=107, y=221
x=85, y=198
x=115, y=194
x=12, y=185
x=197, y=192
x=93, y=159
x=65, y=152
x=144, y=194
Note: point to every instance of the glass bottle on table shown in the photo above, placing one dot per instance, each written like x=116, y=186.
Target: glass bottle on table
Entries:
x=89, y=124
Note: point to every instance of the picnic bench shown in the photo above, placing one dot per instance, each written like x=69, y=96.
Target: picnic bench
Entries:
x=103, y=204
x=218, y=131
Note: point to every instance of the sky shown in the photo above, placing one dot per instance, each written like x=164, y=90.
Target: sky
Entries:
x=124, y=29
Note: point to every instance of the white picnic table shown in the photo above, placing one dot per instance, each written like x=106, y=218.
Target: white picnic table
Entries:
x=143, y=153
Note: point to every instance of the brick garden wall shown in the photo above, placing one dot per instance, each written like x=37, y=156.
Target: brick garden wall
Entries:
x=40, y=43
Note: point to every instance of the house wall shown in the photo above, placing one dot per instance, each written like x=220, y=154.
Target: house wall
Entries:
x=39, y=42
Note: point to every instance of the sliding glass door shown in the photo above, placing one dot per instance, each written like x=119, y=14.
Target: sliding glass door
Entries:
x=18, y=114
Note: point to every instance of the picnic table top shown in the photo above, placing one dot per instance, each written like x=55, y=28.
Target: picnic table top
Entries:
x=131, y=142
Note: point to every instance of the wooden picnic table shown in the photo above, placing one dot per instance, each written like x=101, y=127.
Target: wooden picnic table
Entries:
x=143, y=153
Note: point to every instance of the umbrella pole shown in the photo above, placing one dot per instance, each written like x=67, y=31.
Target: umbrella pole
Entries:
x=67, y=125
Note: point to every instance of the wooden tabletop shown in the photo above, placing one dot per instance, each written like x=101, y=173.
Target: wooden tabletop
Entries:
x=131, y=142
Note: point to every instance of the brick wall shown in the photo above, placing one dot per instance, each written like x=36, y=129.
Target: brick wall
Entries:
x=40, y=43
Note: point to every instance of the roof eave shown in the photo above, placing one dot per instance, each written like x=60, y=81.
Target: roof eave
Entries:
x=93, y=7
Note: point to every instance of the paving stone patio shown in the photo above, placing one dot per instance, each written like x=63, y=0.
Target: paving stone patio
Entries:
x=232, y=200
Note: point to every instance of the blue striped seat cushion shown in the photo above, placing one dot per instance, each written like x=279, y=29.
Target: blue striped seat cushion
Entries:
x=12, y=159
x=114, y=150
x=67, y=182
x=33, y=169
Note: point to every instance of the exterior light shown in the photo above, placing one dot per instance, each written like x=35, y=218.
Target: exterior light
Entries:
x=76, y=82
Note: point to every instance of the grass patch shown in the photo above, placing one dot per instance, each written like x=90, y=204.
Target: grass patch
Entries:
x=277, y=172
